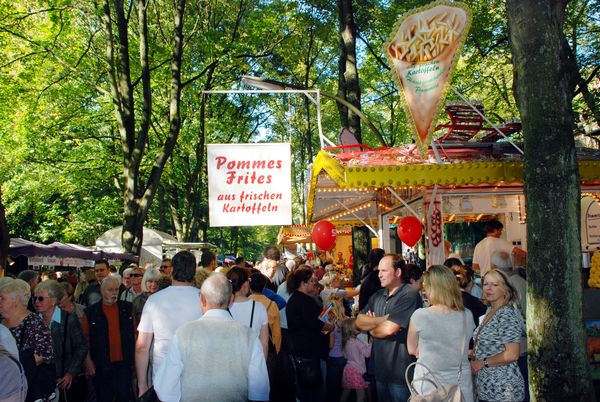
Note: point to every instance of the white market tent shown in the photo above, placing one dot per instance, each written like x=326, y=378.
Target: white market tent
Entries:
x=152, y=244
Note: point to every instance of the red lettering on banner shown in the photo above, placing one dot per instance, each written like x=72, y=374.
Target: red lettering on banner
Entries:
x=254, y=208
x=226, y=197
x=233, y=176
x=247, y=164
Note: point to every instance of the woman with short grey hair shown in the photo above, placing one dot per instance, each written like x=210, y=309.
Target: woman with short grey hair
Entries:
x=33, y=338
x=67, y=336
x=149, y=286
x=53, y=288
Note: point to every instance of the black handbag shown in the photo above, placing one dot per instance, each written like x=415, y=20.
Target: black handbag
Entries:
x=149, y=396
x=41, y=383
x=308, y=372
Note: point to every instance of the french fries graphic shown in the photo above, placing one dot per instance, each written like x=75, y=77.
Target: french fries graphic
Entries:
x=427, y=36
x=423, y=50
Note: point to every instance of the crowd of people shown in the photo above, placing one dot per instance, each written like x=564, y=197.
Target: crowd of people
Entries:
x=279, y=331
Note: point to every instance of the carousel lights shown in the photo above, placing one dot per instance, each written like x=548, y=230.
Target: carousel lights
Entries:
x=341, y=190
x=595, y=196
x=350, y=211
x=334, y=207
x=522, y=213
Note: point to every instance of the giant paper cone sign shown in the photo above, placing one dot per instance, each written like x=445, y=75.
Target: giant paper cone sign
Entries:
x=324, y=234
x=410, y=230
x=423, y=50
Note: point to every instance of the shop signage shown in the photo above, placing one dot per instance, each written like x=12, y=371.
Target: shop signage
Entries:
x=423, y=51
x=249, y=184
x=590, y=224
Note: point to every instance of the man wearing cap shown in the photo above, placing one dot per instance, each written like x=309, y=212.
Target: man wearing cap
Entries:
x=164, y=312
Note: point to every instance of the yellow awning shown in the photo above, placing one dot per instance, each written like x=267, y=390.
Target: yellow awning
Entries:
x=356, y=186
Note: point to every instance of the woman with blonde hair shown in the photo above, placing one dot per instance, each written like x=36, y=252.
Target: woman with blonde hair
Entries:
x=497, y=341
x=34, y=340
x=439, y=334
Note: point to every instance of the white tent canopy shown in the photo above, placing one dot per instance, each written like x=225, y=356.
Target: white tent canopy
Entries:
x=152, y=244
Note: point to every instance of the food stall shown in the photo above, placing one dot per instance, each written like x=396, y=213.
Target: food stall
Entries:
x=473, y=183
x=297, y=239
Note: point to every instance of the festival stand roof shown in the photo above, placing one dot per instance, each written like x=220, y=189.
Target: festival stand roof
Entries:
x=359, y=181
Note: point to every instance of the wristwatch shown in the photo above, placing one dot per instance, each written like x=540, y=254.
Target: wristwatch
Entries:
x=485, y=362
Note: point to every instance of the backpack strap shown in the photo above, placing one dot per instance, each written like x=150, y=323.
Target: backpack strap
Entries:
x=252, y=313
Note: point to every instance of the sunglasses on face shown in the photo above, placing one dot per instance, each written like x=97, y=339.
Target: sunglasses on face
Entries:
x=40, y=298
x=136, y=275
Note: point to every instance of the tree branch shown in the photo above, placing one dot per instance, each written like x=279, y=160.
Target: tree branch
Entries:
x=375, y=54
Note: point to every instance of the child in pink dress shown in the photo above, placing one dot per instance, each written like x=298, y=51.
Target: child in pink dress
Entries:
x=355, y=352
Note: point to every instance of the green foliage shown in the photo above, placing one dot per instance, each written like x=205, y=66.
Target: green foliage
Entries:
x=60, y=151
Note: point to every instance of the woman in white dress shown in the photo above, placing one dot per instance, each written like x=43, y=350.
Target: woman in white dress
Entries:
x=245, y=310
x=438, y=333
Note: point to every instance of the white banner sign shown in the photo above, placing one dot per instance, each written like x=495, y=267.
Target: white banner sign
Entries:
x=249, y=184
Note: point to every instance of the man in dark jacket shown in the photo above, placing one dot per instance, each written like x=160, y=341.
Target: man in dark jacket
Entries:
x=92, y=293
x=108, y=326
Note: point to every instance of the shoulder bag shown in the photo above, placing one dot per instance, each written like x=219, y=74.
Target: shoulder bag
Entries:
x=442, y=392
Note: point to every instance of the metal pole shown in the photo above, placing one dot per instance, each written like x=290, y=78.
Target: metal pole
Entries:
x=486, y=119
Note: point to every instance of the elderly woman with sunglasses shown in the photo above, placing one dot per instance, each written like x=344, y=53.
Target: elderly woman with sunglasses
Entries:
x=33, y=337
x=67, y=336
x=135, y=280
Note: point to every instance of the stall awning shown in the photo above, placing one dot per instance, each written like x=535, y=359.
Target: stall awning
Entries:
x=294, y=234
x=352, y=185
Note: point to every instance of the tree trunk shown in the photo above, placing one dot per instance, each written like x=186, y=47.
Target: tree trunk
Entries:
x=138, y=191
x=348, y=87
x=558, y=366
x=4, y=237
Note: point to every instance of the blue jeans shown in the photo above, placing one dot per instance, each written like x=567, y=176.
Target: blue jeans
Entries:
x=333, y=383
x=392, y=392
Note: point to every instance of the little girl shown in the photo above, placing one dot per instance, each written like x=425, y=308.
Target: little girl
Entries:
x=355, y=352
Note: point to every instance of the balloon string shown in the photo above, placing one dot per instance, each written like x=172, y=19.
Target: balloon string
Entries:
x=404, y=203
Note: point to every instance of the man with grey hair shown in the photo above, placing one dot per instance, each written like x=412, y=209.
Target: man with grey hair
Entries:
x=214, y=358
x=108, y=327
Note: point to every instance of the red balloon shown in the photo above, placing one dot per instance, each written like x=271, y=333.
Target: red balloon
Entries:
x=410, y=230
x=324, y=234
